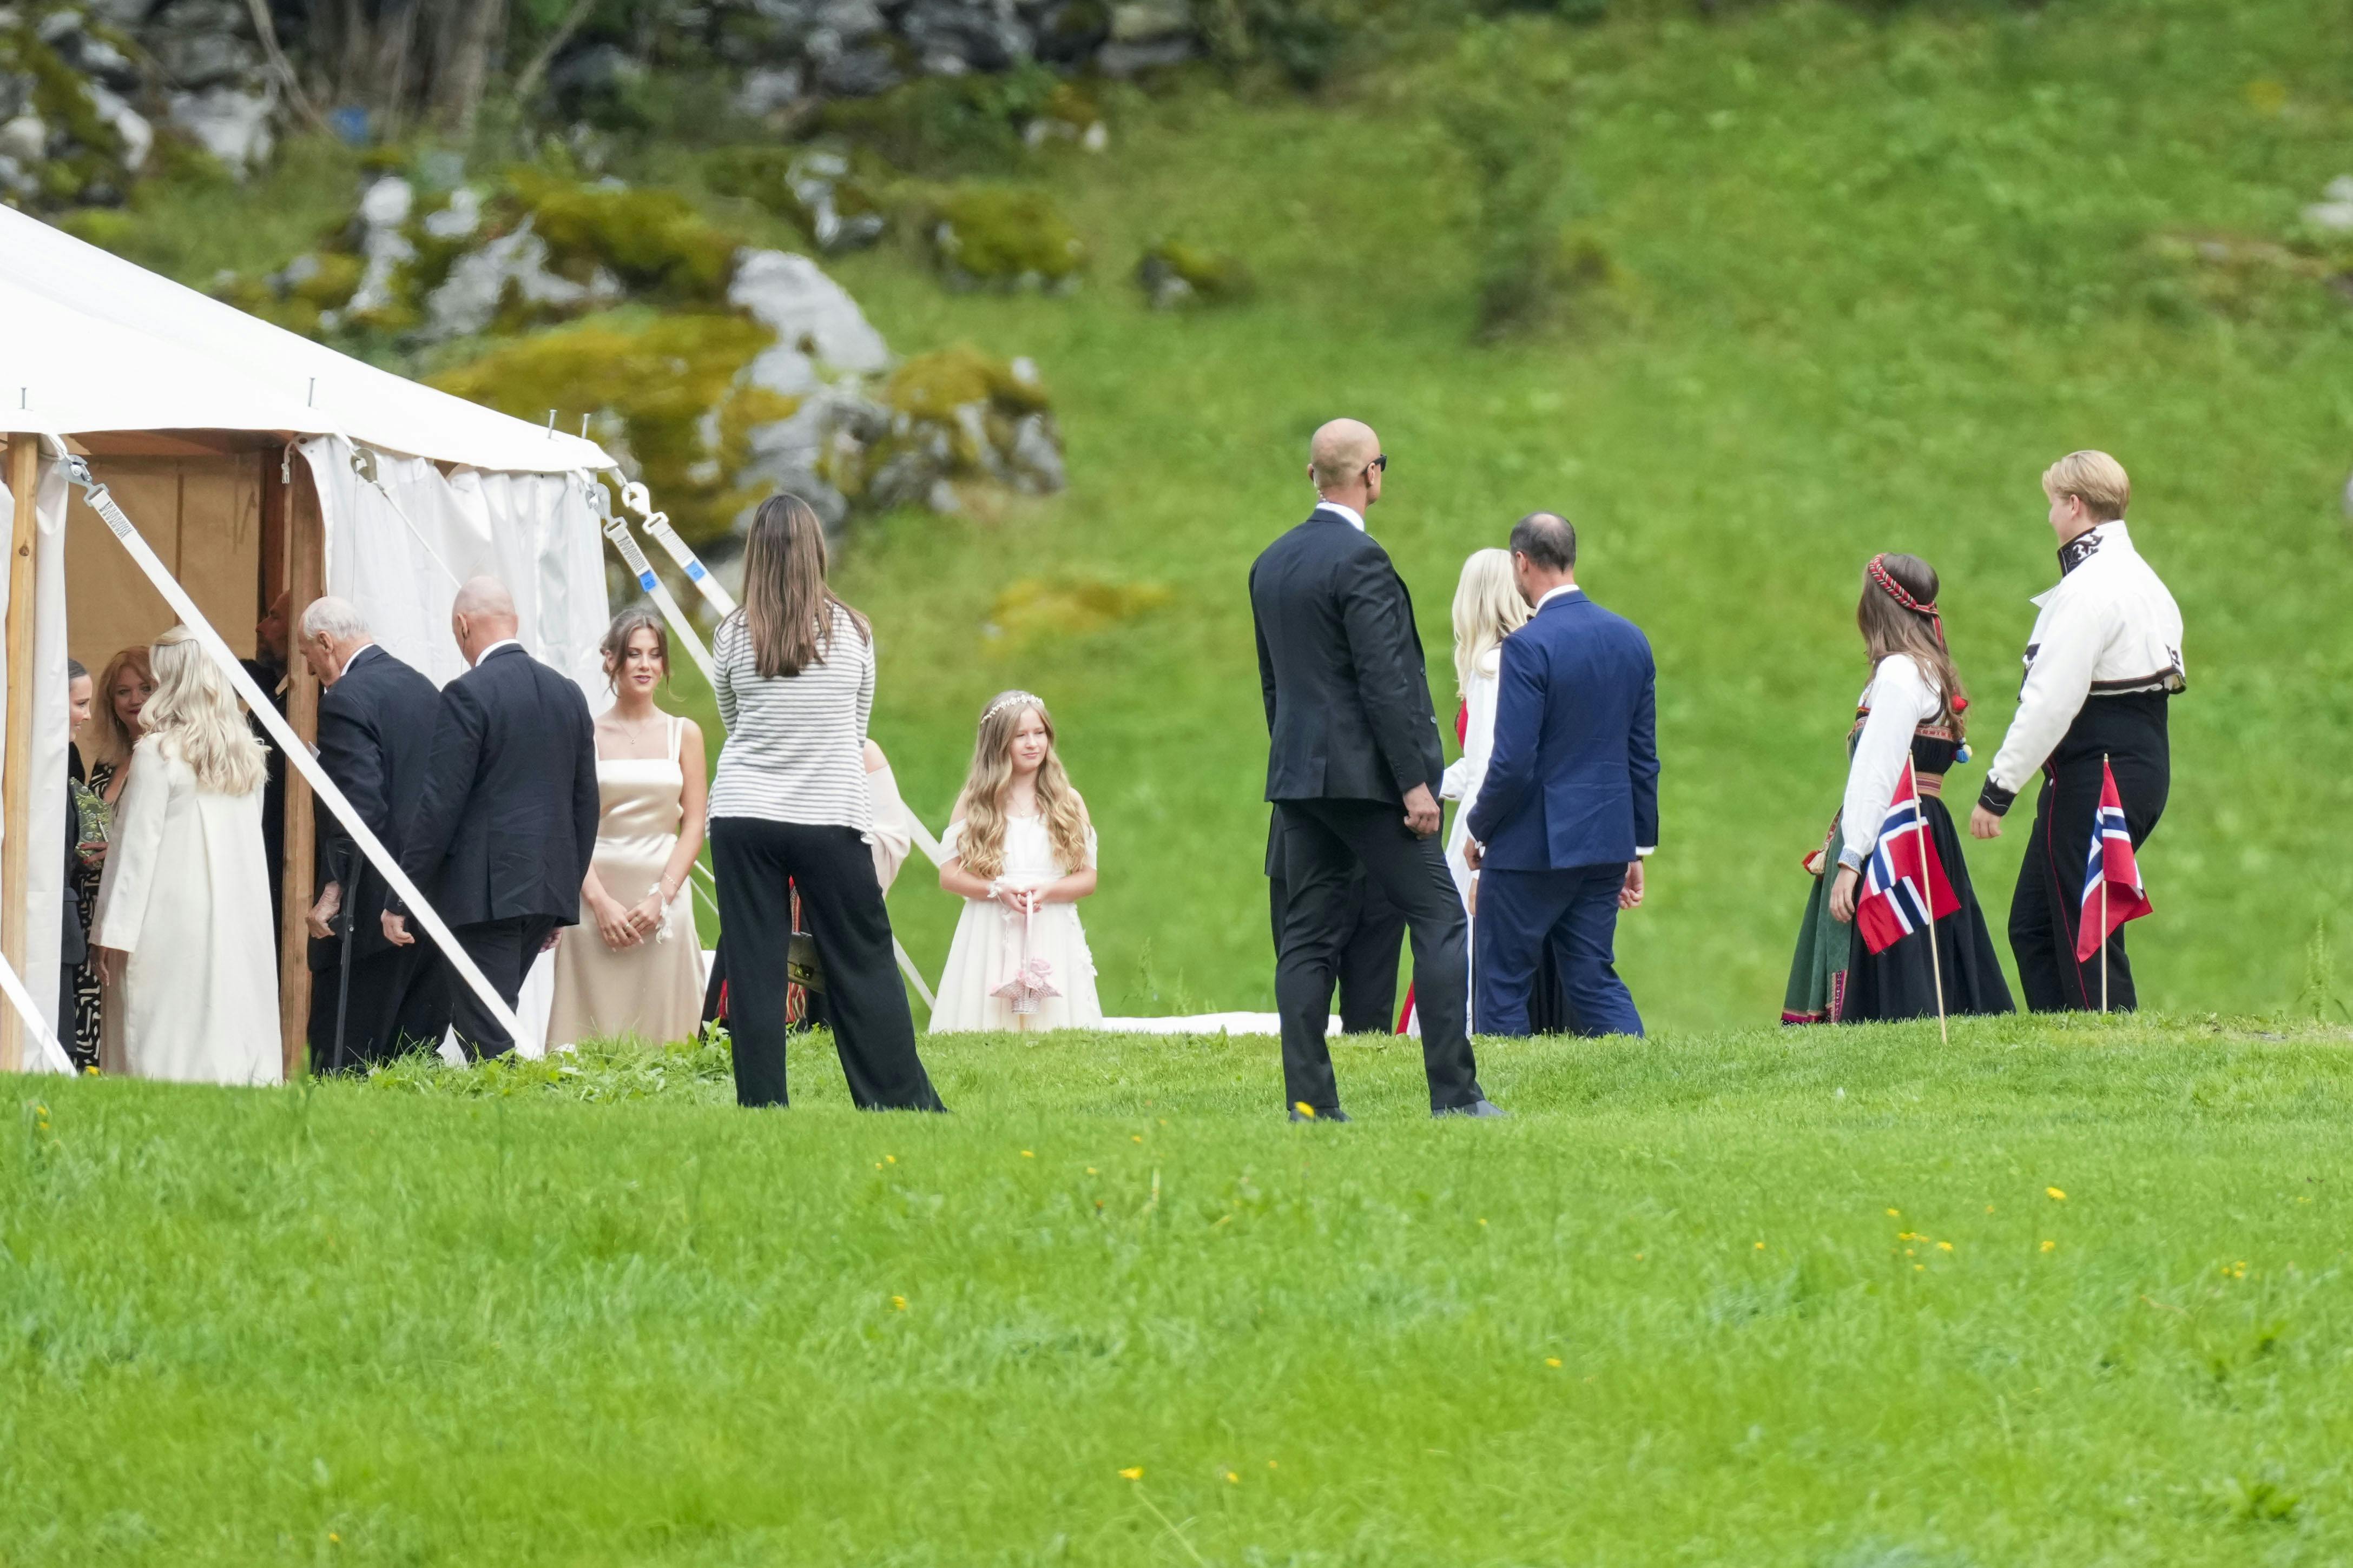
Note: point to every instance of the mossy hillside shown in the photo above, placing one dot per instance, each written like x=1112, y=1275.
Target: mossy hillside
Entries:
x=669, y=390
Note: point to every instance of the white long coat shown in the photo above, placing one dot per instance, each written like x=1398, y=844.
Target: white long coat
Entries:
x=186, y=893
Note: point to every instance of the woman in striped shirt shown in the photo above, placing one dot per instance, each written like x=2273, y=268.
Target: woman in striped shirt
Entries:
x=790, y=808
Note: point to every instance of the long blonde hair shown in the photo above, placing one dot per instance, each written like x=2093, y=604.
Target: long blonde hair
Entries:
x=1487, y=609
x=110, y=741
x=982, y=845
x=194, y=714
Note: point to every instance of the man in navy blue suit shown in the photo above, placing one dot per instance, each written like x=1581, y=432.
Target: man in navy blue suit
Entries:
x=1570, y=805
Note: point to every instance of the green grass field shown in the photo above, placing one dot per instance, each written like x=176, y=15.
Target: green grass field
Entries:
x=1754, y=1299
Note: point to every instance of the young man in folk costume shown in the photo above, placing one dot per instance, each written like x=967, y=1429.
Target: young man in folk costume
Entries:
x=2105, y=659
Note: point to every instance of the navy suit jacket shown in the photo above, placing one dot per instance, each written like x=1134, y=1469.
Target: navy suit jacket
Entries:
x=1574, y=777
x=505, y=820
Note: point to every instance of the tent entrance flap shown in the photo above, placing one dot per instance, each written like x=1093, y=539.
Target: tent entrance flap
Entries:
x=296, y=753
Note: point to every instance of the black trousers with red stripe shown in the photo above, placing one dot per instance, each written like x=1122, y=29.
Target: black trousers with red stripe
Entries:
x=2046, y=909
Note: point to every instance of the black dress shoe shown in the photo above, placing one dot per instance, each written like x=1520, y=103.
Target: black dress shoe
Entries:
x=1334, y=1114
x=1482, y=1109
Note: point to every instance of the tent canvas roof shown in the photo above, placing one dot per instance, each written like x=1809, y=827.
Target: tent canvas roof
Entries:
x=173, y=359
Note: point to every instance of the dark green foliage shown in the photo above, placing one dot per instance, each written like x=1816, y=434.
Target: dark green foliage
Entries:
x=948, y=124
x=1510, y=125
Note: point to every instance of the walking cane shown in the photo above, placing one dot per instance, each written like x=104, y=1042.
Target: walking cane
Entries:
x=343, y=983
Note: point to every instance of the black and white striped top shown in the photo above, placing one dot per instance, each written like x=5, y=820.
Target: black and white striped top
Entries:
x=796, y=747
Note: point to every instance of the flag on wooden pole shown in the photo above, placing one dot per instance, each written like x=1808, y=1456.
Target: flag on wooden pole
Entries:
x=2112, y=893
x=1903, y=884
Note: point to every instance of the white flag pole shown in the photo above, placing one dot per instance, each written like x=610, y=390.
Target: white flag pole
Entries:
x=1928, y=899
x=102, y=502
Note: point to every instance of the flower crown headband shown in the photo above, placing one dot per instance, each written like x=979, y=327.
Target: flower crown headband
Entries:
x=1013, y=700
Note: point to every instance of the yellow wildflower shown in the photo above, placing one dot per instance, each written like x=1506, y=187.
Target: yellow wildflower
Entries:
x=1233, y=1477
x=1895, y=1213
x=1134, y=1473
x=2050, y=1247
x=2056, y=1193
x=899, y=1302
x=1552, y=1361
x=1027, y=1155
x=1760, y=1247
x=1944, y=1247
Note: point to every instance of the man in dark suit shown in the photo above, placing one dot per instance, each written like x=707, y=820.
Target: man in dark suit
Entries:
x=269, y=667
x=1353, y=767
x=376, y=733
x=1570, y=805
x=506, y=820
x=1372, y=933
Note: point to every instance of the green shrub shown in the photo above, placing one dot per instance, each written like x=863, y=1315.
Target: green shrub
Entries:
x=948, y=124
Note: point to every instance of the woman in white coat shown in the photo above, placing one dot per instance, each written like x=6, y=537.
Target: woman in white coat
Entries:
x=182, y=927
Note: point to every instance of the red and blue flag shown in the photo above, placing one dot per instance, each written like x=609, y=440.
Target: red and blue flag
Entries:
x=1903, y=882
x=2111, y=871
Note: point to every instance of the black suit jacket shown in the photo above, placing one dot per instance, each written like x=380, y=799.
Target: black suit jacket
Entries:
x=376, y=736
x=507, y=819
x=1348, y=714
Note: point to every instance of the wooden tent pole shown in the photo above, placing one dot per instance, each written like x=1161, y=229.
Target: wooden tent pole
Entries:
x=304, y=533
x=15, y=767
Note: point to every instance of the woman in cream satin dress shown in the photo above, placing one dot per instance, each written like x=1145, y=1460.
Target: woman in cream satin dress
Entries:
x=182, y=933
x=632, y=968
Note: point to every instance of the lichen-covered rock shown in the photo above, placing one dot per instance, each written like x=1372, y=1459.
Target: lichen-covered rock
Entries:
x=1173, y=273
x=811, y=187
x=667, y=395
x=1005, y=237
x=810, y=314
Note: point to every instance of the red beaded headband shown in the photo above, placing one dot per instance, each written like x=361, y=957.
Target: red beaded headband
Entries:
x=1896, y=591
x=1903, y=595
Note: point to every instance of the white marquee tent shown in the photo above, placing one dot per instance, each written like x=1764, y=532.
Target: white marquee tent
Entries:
x=255, y=463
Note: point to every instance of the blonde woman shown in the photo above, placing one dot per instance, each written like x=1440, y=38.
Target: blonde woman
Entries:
x=182, y=928
x=1487, y=609
x=1021, y=854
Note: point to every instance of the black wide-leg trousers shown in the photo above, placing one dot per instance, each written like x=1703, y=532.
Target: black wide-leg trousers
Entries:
x=1324, y=841
x=2046, y=909
x=757, y=863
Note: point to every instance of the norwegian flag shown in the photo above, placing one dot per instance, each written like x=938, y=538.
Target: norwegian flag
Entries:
x=1903, y=882
x=2112, y=890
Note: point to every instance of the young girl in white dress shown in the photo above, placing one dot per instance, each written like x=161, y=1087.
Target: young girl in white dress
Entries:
x=1021, y=855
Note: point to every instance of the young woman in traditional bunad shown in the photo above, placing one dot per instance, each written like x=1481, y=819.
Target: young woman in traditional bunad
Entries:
x=1913, y=708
